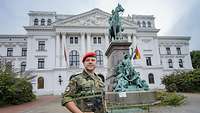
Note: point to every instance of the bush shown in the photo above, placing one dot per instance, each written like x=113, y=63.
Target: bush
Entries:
x=183, y=81
x=14, y=90
x=170, y=98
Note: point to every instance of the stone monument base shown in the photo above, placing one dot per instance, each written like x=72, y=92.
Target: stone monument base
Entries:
x=130, y=98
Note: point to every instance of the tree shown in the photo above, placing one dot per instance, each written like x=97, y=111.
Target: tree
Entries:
x=195, y=56
x=14, y=90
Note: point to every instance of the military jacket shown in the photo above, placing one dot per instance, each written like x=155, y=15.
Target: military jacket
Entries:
x=86, y=91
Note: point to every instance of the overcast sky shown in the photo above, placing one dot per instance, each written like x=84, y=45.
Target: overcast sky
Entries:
x=173, y=17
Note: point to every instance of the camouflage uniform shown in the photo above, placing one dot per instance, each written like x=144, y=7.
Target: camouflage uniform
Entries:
x=86, y=91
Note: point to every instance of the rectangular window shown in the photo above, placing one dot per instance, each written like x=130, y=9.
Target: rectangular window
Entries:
x=71, y=40
x=99, y=40
x=168, y=51
x=41, y=63
x=41, y=45
x=178, y=50
x=76, y=40
x=148, y=61
x=9, y=52
x=24, y=51
x=94, y=40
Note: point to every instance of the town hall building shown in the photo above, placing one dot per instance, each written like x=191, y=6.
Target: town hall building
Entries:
x=54, y=44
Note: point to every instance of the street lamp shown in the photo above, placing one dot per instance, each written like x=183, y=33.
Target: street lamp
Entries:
x=60, y=79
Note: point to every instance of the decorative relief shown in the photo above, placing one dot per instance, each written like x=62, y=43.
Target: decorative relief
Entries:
x=91, y=20
x=94, y=19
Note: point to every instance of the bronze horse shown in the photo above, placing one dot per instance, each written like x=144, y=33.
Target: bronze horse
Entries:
x=115, y=23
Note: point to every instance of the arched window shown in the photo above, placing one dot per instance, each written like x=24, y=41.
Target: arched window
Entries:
x=40, y=82
x=99, y=56
x=23, y=66
x=180, y=61
x=151, y=78
x=139, y=24
x=74, y=58
x=49, y=22
x=170, y=63
x=43, y=22
x=36, y=21
x=149, y=24
x=143, y=24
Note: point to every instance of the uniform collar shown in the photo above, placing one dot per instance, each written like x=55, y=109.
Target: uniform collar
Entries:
x=87, y=75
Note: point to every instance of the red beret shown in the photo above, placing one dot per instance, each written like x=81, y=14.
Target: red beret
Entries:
x=89, y=54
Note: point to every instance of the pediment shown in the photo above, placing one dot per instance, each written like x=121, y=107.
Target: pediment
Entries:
x=95, y=17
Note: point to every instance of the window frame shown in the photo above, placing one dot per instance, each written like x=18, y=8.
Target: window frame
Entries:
x=151, y=78
x=178, y=49
x=168, y=51
x=49, y=21
x=41, y=45
x=99, y=40
x=149, y=24
x=74, y=58
x=144, y=24
x=42, y=22
x=180, y=62
x=94, y=40
x=23, y=64
x=170, y=63
x=9, y=52
x=24, y=51
x=99, y=57
x=41, y=62
x=148, y=61
x=36, y=22
x=76, y=40
x=40, y=83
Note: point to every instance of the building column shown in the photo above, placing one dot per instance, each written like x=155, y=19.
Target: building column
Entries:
x=62, y=50
x=106, y=40
x=57, y=49
x=105, y=59
x=88, y=42
x=82, y=48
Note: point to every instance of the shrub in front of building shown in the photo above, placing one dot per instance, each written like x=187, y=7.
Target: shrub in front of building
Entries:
x=183, y=81
x=14, y=90
x=170, y=98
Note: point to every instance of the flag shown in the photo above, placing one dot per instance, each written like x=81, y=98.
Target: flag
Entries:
x=65, y=55
x=137, y=54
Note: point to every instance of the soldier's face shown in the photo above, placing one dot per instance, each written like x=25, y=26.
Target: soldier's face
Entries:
x=90, y=63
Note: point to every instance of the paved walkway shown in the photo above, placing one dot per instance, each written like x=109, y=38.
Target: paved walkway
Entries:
x=51, y=104
x=192, y=105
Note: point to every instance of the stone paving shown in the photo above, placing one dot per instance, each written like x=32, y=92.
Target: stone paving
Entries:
x=51, y=104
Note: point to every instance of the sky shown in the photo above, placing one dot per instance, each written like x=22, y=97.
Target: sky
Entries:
x=172, y=17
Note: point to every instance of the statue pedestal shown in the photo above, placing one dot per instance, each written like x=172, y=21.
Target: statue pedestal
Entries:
x=115, y=54
x=130, y=98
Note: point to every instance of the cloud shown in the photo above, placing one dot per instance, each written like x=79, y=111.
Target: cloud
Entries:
x=189, y=24
x=168, y=13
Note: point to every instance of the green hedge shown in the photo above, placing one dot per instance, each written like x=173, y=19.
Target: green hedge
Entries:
x=183, y=81
x=168, y=98
x=14, y=90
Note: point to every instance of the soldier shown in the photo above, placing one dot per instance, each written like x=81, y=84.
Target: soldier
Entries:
x=85, y=90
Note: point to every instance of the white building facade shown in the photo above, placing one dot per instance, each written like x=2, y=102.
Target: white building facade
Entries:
x=54, y=45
